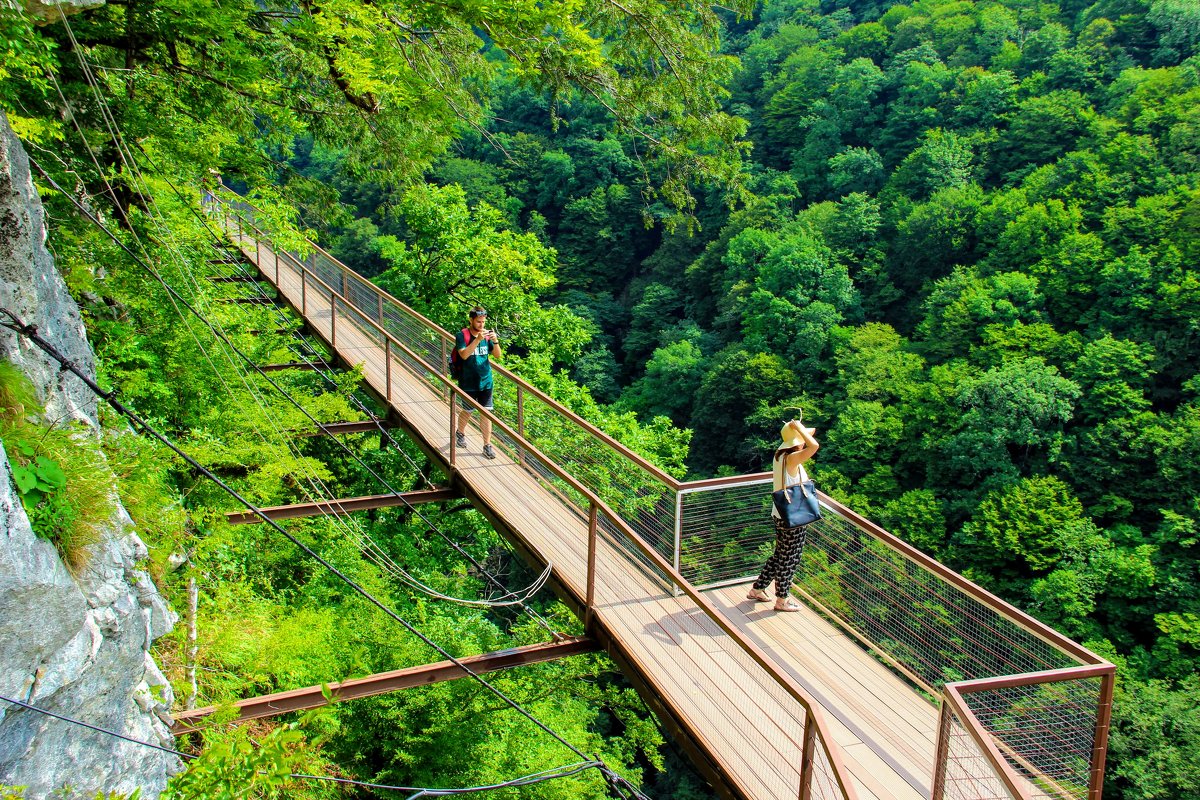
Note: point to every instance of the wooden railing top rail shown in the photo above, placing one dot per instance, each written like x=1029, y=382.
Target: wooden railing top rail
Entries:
x=657, y=472
x=1003, y=608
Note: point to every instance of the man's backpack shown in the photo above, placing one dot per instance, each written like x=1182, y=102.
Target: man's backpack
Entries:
x=454, y=361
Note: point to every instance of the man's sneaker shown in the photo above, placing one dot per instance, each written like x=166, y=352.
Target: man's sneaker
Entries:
x=460, y=438
x=489, y=451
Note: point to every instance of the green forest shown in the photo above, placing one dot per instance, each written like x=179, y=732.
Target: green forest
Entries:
x=962, y=235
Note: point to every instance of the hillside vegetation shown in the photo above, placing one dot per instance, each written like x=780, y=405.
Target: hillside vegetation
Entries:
x=963, y=236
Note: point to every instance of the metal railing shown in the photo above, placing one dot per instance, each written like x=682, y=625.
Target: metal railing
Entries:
x=409, y=346
x=949, y=636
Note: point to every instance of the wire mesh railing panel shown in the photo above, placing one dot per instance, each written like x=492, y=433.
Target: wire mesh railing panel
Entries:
x=363, y=295
x=1045, y=731
x=657, y=582
x=824, y=785
x=559, y=488
x=358, y=340
x=758, y=707
x=428, y=346
x=968, y=773
x=928, y=625
x=426, y=343
x=638, y=496
x=327, y=270
x=725, y=532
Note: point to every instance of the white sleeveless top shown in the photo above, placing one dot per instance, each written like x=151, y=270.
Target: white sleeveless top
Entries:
x=781, y=479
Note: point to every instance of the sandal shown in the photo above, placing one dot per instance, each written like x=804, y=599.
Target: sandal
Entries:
x=787, y=604
x=758, y=596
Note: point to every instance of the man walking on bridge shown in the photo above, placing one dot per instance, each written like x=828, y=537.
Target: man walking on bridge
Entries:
x=474, y=346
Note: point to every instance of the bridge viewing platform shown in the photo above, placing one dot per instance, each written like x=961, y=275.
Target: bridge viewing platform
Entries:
x=899, y=679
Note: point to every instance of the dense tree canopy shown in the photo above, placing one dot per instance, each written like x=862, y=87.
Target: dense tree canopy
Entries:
x=964, y=237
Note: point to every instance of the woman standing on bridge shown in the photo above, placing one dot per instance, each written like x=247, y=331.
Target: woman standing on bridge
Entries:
x=787, y=470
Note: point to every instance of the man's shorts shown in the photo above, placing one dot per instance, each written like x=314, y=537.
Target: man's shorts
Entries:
x=481, y=396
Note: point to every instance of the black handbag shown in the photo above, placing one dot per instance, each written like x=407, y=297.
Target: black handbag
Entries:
x=797, y=504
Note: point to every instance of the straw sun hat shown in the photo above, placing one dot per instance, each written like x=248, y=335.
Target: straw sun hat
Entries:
x=791, y=436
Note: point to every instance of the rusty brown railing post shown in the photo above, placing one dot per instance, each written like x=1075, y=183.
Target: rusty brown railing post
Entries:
x=807, y=750
x=520, y=421
x=449, y=391
x=453, y=428
x=332, y=319
x=1100, y=740
x=379, y=309
x=387, y=362
x=520, y=411
x=590, y=610
x=941, y=758
x=303, y=290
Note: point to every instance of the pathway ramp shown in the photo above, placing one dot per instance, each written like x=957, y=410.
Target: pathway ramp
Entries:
x=770, y=705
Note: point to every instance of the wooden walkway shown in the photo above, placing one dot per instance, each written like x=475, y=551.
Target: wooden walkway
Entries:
x=745, y=723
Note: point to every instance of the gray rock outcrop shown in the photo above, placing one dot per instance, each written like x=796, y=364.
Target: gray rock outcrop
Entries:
x=31, y=288
x=75, y=645
x=51, y=12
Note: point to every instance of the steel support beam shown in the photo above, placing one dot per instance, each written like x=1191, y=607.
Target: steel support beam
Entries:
x=312, y=696
x=235, y=278
x=310, y=365
x=343, y=506
x=249, y=301
x=335, y=428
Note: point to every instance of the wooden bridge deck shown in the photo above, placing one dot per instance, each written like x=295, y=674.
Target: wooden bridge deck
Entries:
x=744, y=722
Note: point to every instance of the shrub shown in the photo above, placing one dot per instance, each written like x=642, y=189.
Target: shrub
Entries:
x=60, y=476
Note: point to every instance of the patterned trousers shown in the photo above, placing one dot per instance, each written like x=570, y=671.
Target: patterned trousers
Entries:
x=781, y=566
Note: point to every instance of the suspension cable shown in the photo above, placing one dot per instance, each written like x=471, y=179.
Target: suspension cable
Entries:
x=110, y=397
x=365, y=542
x=510, y=598
x=564, y=771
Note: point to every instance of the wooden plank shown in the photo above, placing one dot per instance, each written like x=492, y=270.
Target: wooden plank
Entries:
x=346, y=505
x=820, y=665
x=314, y=696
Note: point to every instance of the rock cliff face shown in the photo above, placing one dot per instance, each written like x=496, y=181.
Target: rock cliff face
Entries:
x=46, y=13
x=78, y=646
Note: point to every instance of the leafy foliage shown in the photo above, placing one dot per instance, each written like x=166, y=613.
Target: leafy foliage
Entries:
x=966, y=245
x=59, y=474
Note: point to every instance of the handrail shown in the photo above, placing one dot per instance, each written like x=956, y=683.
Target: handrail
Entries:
x=1093, y=665
x=1105, y=671
x=786, y=682
x=655, y=470
x=1014, y=614
x=1024, y=620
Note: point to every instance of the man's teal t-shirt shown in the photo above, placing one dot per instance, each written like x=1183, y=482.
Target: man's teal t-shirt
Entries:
x=476, y=369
